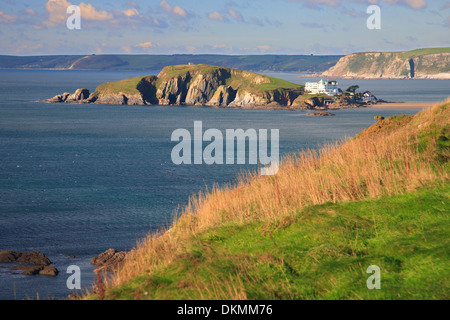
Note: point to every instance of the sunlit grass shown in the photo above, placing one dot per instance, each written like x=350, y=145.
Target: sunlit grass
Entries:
x=310, y=231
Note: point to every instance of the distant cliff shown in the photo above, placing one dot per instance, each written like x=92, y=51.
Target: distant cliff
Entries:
x=196, y=85
x=416, y=64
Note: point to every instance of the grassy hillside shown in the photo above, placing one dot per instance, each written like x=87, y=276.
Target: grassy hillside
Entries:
x=281, y=63
x=127, y=86
x=237, y=79
x=37, y=62
x=422, y=52
x=321, y=252
x=312, y=230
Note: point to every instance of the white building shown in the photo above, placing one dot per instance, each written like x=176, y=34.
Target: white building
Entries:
x=327, y=87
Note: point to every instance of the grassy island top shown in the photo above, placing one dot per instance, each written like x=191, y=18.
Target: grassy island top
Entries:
x=126, y=86
x=238, y=79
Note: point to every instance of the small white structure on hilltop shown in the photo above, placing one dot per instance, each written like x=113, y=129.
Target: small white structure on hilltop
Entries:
x=327, y=87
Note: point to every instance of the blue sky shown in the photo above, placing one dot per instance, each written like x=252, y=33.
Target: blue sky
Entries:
x=221, y=26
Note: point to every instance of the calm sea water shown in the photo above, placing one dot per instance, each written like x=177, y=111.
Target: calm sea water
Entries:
x=80, y=179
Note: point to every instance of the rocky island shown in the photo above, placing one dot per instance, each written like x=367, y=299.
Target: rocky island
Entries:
x=202, y=85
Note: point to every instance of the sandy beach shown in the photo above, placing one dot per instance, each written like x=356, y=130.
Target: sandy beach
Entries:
x=405, y=105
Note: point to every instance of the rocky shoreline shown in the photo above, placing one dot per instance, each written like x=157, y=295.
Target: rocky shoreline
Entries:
x=83, y=96
x=37, y=263
x=30, y=263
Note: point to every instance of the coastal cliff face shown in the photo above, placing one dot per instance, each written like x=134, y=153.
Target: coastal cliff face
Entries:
x=194, y=85
x=416, y=64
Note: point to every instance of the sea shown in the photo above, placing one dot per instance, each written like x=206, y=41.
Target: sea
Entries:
x=76, y=180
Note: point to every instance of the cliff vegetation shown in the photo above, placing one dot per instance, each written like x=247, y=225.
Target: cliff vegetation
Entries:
x=312, y=230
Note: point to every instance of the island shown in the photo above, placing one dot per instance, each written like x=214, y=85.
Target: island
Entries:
x=206, y=85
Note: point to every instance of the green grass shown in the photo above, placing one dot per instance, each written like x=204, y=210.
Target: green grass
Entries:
x=276, y=83
x=180, y=70
x=322, y=252
x=238, y=79
x=422, y=52
x=126, y=86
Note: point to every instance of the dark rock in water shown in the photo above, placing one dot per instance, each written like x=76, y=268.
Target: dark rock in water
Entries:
x=109, y=259
x=49, y=271
x=32, y=262
x=320, y=114
x=60, y=98
x=33, y=270
x=28, y=270
x=35, y=257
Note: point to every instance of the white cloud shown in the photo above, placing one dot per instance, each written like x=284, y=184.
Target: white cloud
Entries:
x=131, y=12
x=223, y=47
x=263, y=48
x=191, y=49
x=176, y=10
x=129, y=18
x=126, y=49
x=215, y=15
x=415, y=4
x=28, y=48
x=179, y=11
x=144, y=45
x=30, y=11
x=7, y=18
x=236, y=15
x=88, y=12
x=57, y=12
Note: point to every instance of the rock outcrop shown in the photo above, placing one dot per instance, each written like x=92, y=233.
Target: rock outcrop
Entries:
x=110, y=259
x=31, y=263
x=33, y=270
x=320, y=114
x=79, y=95
x=34, y=257
x=416, y=64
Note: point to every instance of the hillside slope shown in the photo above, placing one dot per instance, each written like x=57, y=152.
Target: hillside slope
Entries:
x=274, y=63
x=312, y=230
x=417, y=64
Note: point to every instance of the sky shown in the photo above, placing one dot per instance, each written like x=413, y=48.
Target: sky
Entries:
x=238, y=27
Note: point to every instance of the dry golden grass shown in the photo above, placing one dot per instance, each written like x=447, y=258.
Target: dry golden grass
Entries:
x=384, y=160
